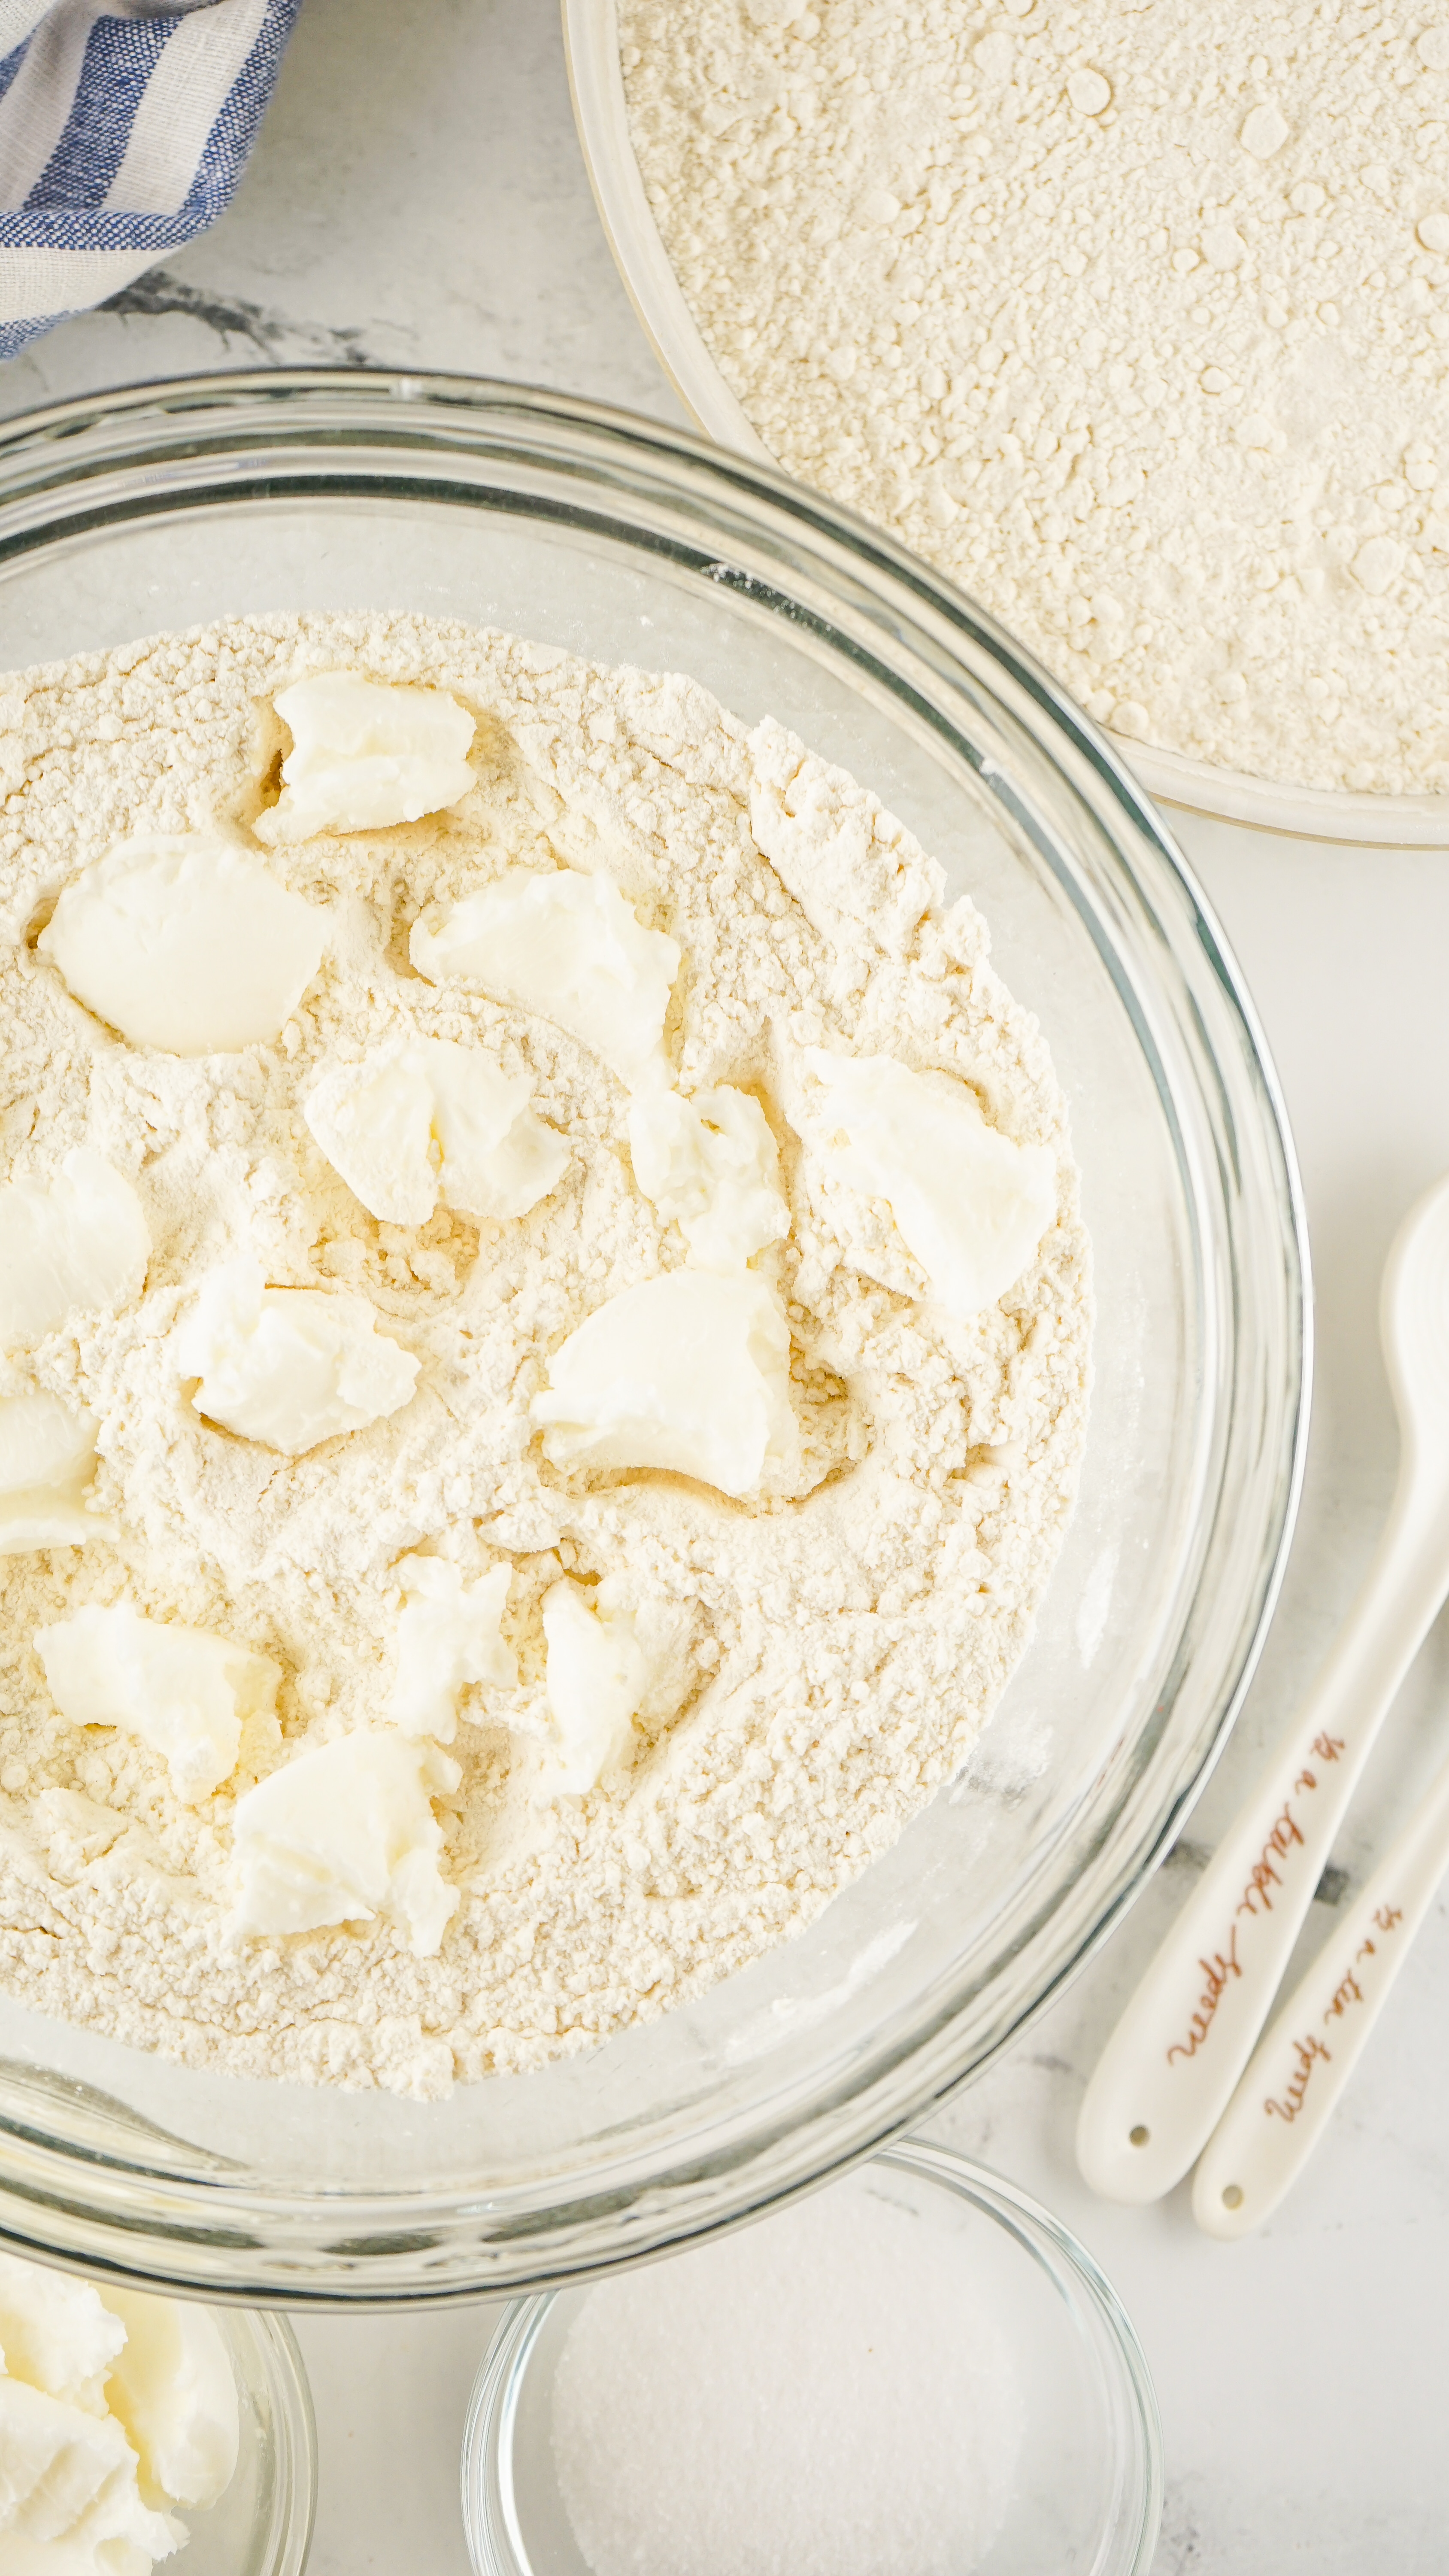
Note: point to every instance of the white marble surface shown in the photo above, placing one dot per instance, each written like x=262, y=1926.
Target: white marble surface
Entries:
x=417, y=198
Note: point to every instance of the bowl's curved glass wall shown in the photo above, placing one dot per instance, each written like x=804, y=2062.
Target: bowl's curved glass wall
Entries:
x=168, y=507
x=262, y=2524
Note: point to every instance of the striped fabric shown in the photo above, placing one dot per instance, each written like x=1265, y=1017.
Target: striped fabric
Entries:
x=124, y=127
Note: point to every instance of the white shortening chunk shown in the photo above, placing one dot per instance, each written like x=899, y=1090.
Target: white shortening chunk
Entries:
x=289, y=1366
x=183, y=1691
x=174, y=2392
x=499, y=1159
x=366, y=753
x=596, y=1675
x=185, y=943
x=710, y=1162
x=68, y=2479
x=411, y=1123
x=109, y=2407
x=78, y=1247
x=689, y=1372
x=567, y=946
x=374, y=1123
x=47, y=1459
x=344, y=1834
x=447, y=1638
x=971, y=1204
x=56, y=2334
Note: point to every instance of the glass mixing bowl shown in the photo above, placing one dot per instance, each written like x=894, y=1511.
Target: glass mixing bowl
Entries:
x=166, y=506
x=601, y=114
x=1087, y=2490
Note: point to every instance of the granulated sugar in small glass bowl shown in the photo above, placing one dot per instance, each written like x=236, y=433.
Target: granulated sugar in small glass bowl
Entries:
x=827, y=2393
x=917, y=2373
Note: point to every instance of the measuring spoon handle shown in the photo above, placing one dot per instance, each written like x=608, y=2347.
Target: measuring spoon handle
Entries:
x=1170, y=2067
x=1296, y=2074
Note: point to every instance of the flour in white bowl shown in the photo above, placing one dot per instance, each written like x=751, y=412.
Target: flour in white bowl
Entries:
x=817, y=1655
x=1133, y=320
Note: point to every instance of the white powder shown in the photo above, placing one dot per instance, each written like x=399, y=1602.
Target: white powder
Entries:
x=1134, y=320
x=822, y=1657
x=828, y=2394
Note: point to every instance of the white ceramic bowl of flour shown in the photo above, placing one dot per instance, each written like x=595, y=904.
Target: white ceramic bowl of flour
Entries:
x=164, y=507
x=602, y=117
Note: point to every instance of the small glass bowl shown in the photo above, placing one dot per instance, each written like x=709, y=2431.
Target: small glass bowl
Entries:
x=262, y=2525
x=1087, y=2494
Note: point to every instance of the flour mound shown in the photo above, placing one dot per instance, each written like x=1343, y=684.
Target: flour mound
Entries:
x=820, y=1657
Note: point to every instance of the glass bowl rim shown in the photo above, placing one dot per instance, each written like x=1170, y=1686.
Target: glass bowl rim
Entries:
x=596, y=90
x=1120, y=2366
x=294, y=2440
x=49, y=452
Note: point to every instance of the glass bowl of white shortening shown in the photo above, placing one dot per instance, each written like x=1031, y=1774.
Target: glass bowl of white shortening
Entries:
x=164, y=507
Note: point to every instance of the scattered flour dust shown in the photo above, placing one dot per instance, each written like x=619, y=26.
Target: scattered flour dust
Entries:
x=822, y=1658
x=1133, y=319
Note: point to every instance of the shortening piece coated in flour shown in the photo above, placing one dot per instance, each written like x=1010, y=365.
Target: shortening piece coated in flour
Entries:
x=517, y=1477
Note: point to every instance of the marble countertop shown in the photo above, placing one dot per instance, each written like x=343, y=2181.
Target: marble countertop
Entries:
x=417, y=199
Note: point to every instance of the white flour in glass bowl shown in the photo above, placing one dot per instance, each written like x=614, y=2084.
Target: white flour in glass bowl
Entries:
x=820, y=1652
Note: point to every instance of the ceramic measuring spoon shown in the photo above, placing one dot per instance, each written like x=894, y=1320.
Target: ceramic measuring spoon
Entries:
x=1169, y=2070
x=1295, y=2076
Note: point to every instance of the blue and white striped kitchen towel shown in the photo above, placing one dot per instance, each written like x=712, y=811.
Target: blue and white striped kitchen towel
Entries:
x=124, y=128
